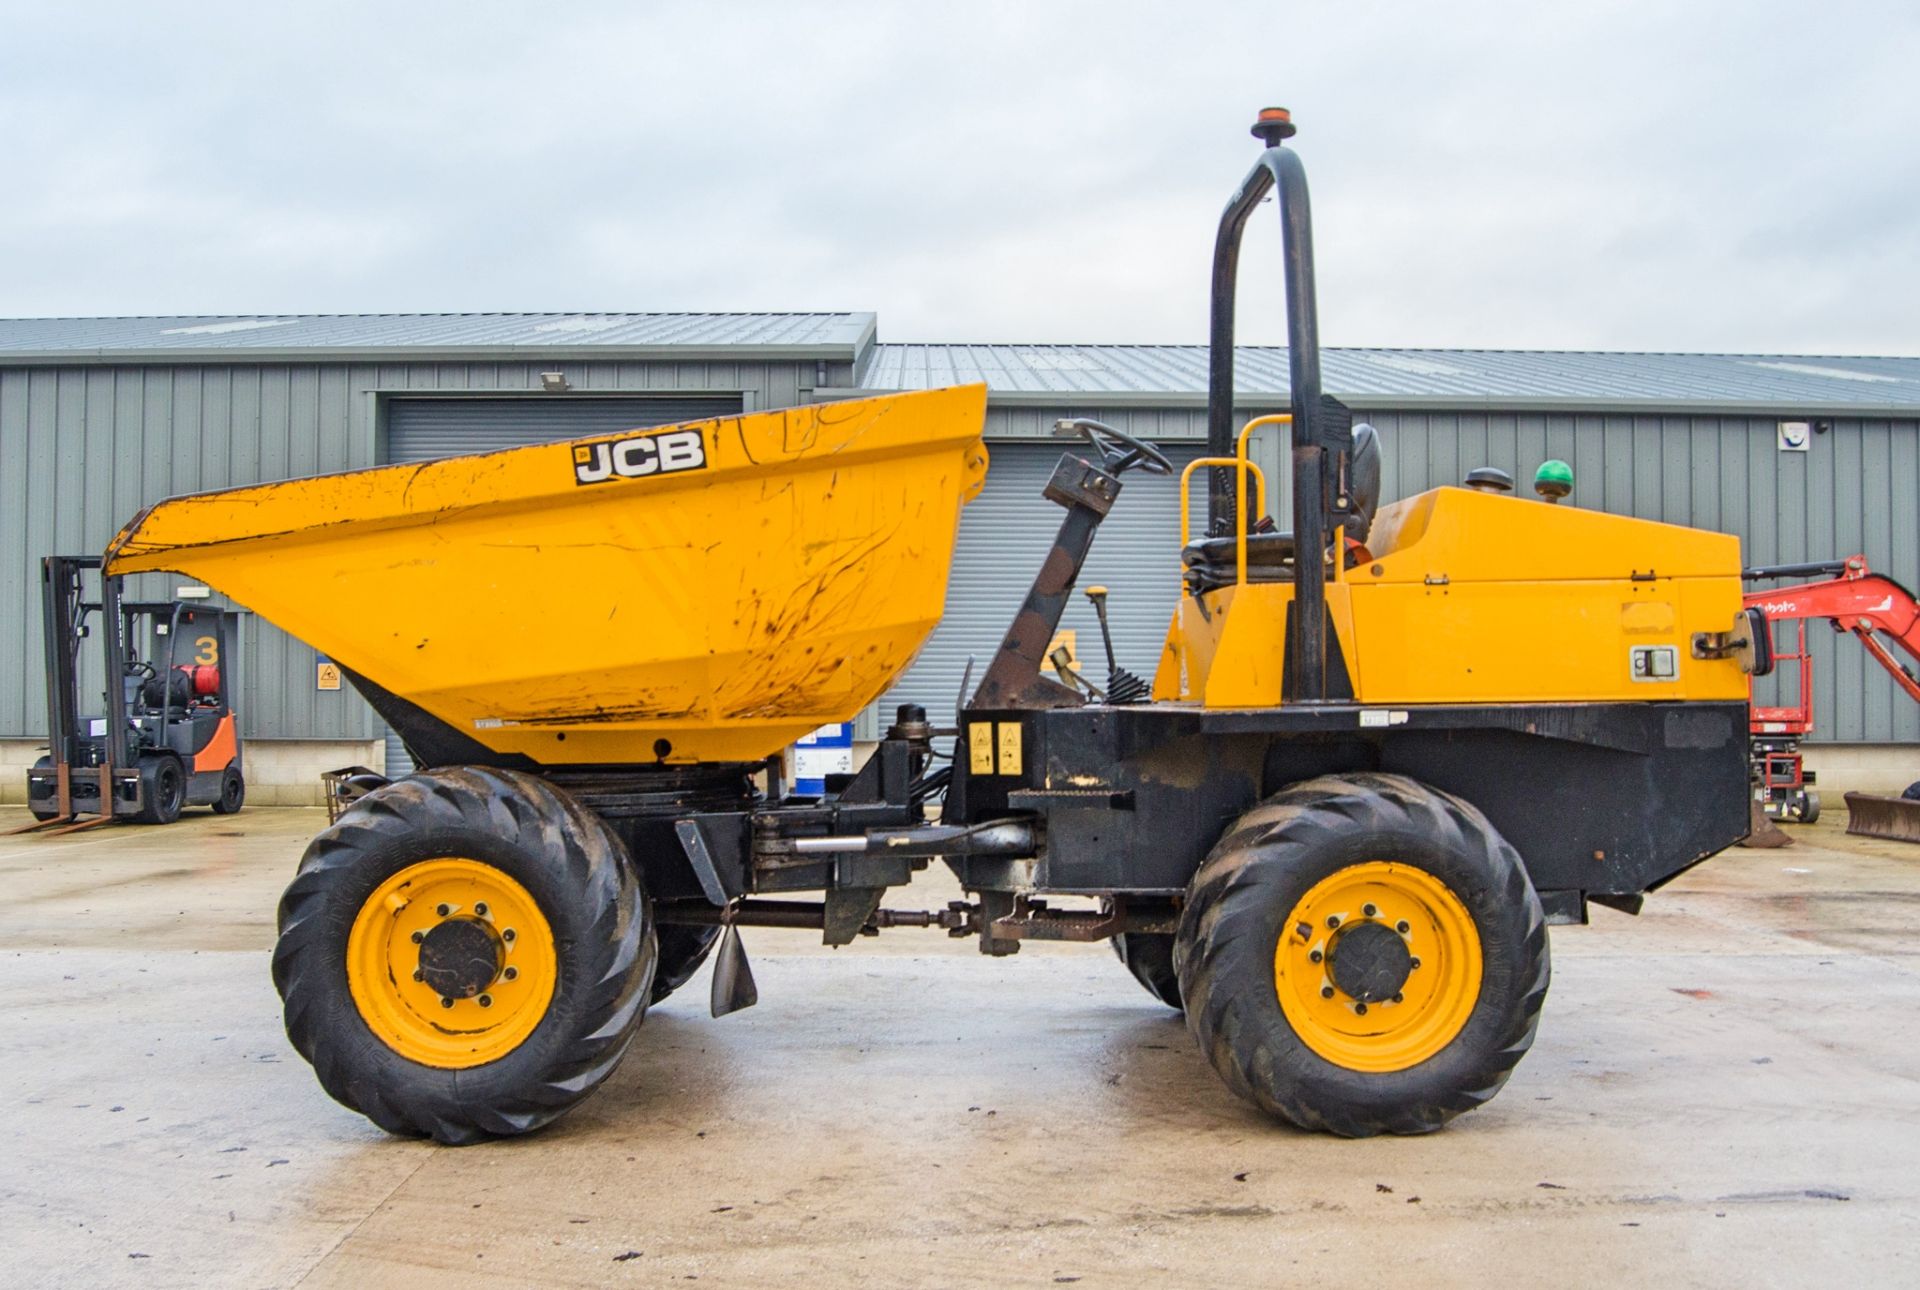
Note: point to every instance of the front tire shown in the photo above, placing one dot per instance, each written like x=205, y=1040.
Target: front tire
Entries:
x=1363, y=954
x=163, y=784
x=466, y=953
x=43, y=814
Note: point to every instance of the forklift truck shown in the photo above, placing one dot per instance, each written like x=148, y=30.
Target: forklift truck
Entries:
x=166, y=736
x=1379, y=753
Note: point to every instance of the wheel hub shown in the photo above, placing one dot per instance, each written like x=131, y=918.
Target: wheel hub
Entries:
x=1369, y=961
x=1378, y=967
x=452, y=963
x=460, y=957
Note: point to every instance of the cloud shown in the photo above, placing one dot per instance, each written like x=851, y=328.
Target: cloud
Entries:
x=1628, y=175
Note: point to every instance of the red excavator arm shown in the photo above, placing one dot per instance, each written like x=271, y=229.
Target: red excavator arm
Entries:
x=1856, y=600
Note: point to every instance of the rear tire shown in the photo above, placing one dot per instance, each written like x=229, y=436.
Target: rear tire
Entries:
x=1149, y=956
x=503, y=1067
x=233, y=793
x=683, y=948
x=1453, y=956
x=163, y=783
x=1806, y=806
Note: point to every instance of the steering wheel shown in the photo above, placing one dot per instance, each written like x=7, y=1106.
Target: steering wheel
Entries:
x=1119, y=451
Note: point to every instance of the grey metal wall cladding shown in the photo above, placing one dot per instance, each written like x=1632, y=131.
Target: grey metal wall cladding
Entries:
x=1857, y=489
x=1006, y=533
x=428, y=429
x=83, y=448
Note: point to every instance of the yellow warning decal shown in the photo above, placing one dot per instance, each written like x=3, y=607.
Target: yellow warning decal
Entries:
x=980, y=748
x=1010, y=748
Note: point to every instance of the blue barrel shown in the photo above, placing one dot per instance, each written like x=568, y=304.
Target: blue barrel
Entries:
x=827, y=751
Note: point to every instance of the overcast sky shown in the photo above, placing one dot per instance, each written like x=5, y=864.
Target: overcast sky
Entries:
x=1699, y=176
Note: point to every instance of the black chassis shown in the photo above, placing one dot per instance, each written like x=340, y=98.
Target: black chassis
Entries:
x=1603, y=801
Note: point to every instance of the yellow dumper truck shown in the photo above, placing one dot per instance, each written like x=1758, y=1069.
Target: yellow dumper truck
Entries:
x=1379, y=754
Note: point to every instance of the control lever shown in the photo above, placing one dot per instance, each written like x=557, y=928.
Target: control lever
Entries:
x=1122, y=685
x=1062, y=660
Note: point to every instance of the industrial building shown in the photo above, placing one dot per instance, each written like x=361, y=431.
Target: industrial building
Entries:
x=1803, y=457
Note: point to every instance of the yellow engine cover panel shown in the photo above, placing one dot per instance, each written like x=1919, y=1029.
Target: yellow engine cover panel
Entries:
x=723, y=586
x=1479, y=598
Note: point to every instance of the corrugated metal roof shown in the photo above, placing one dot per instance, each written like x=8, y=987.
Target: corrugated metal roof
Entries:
x=823, y=335
x=1177, y=375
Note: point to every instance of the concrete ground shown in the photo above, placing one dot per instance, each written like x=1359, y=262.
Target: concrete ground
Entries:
x=1723, y=1092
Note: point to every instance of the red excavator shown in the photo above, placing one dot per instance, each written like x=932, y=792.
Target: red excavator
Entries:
x=1855, y=600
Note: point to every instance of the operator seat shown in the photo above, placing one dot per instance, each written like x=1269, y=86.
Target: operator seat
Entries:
x=1210, y=562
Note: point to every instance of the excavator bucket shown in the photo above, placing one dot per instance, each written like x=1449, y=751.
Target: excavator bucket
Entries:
x=1872, y=816
x=702, y=592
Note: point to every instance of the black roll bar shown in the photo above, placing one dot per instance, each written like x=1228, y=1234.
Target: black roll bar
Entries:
x=1277, y=169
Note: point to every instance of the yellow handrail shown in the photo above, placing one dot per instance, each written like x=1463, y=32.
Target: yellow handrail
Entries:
x=1274, y=419
x=1242, y=465
x=1240, y=450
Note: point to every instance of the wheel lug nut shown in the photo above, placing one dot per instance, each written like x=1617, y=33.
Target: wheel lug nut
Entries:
x=1360, y=1009
x=1333, y=920
x=507, y=935
x=1414, y=964
x=444, y=910
x=1399, y=998
x=1315, y=957
x=418, y=937
x=481, y=909
x=1326, y=992
x=1370, y=910
x=418, y=975
x=486, y=1001
x=512, y=974
x=445, y=1002
x=1403, y=927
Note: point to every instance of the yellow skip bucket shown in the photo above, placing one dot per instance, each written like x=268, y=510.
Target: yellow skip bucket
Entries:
x=702, y=592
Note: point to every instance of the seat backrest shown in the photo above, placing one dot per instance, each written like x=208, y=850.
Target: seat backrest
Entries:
x=1363, y=481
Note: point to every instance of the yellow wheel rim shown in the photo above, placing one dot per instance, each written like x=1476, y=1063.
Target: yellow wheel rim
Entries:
x=469, y=929
x=1348, y=1017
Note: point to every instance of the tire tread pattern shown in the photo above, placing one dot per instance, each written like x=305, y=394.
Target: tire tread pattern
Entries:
x=605, y=938
x=1230, y=899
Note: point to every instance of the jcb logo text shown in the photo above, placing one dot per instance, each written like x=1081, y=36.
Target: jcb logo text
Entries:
x=662, y=453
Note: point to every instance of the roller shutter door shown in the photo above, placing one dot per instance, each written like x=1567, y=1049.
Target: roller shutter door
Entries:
x=1007, y=532
x=428, y=429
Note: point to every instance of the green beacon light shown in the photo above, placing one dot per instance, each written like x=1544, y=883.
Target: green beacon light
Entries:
x=1553, y=481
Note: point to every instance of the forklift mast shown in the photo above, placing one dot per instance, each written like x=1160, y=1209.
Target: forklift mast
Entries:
x=65, y=611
